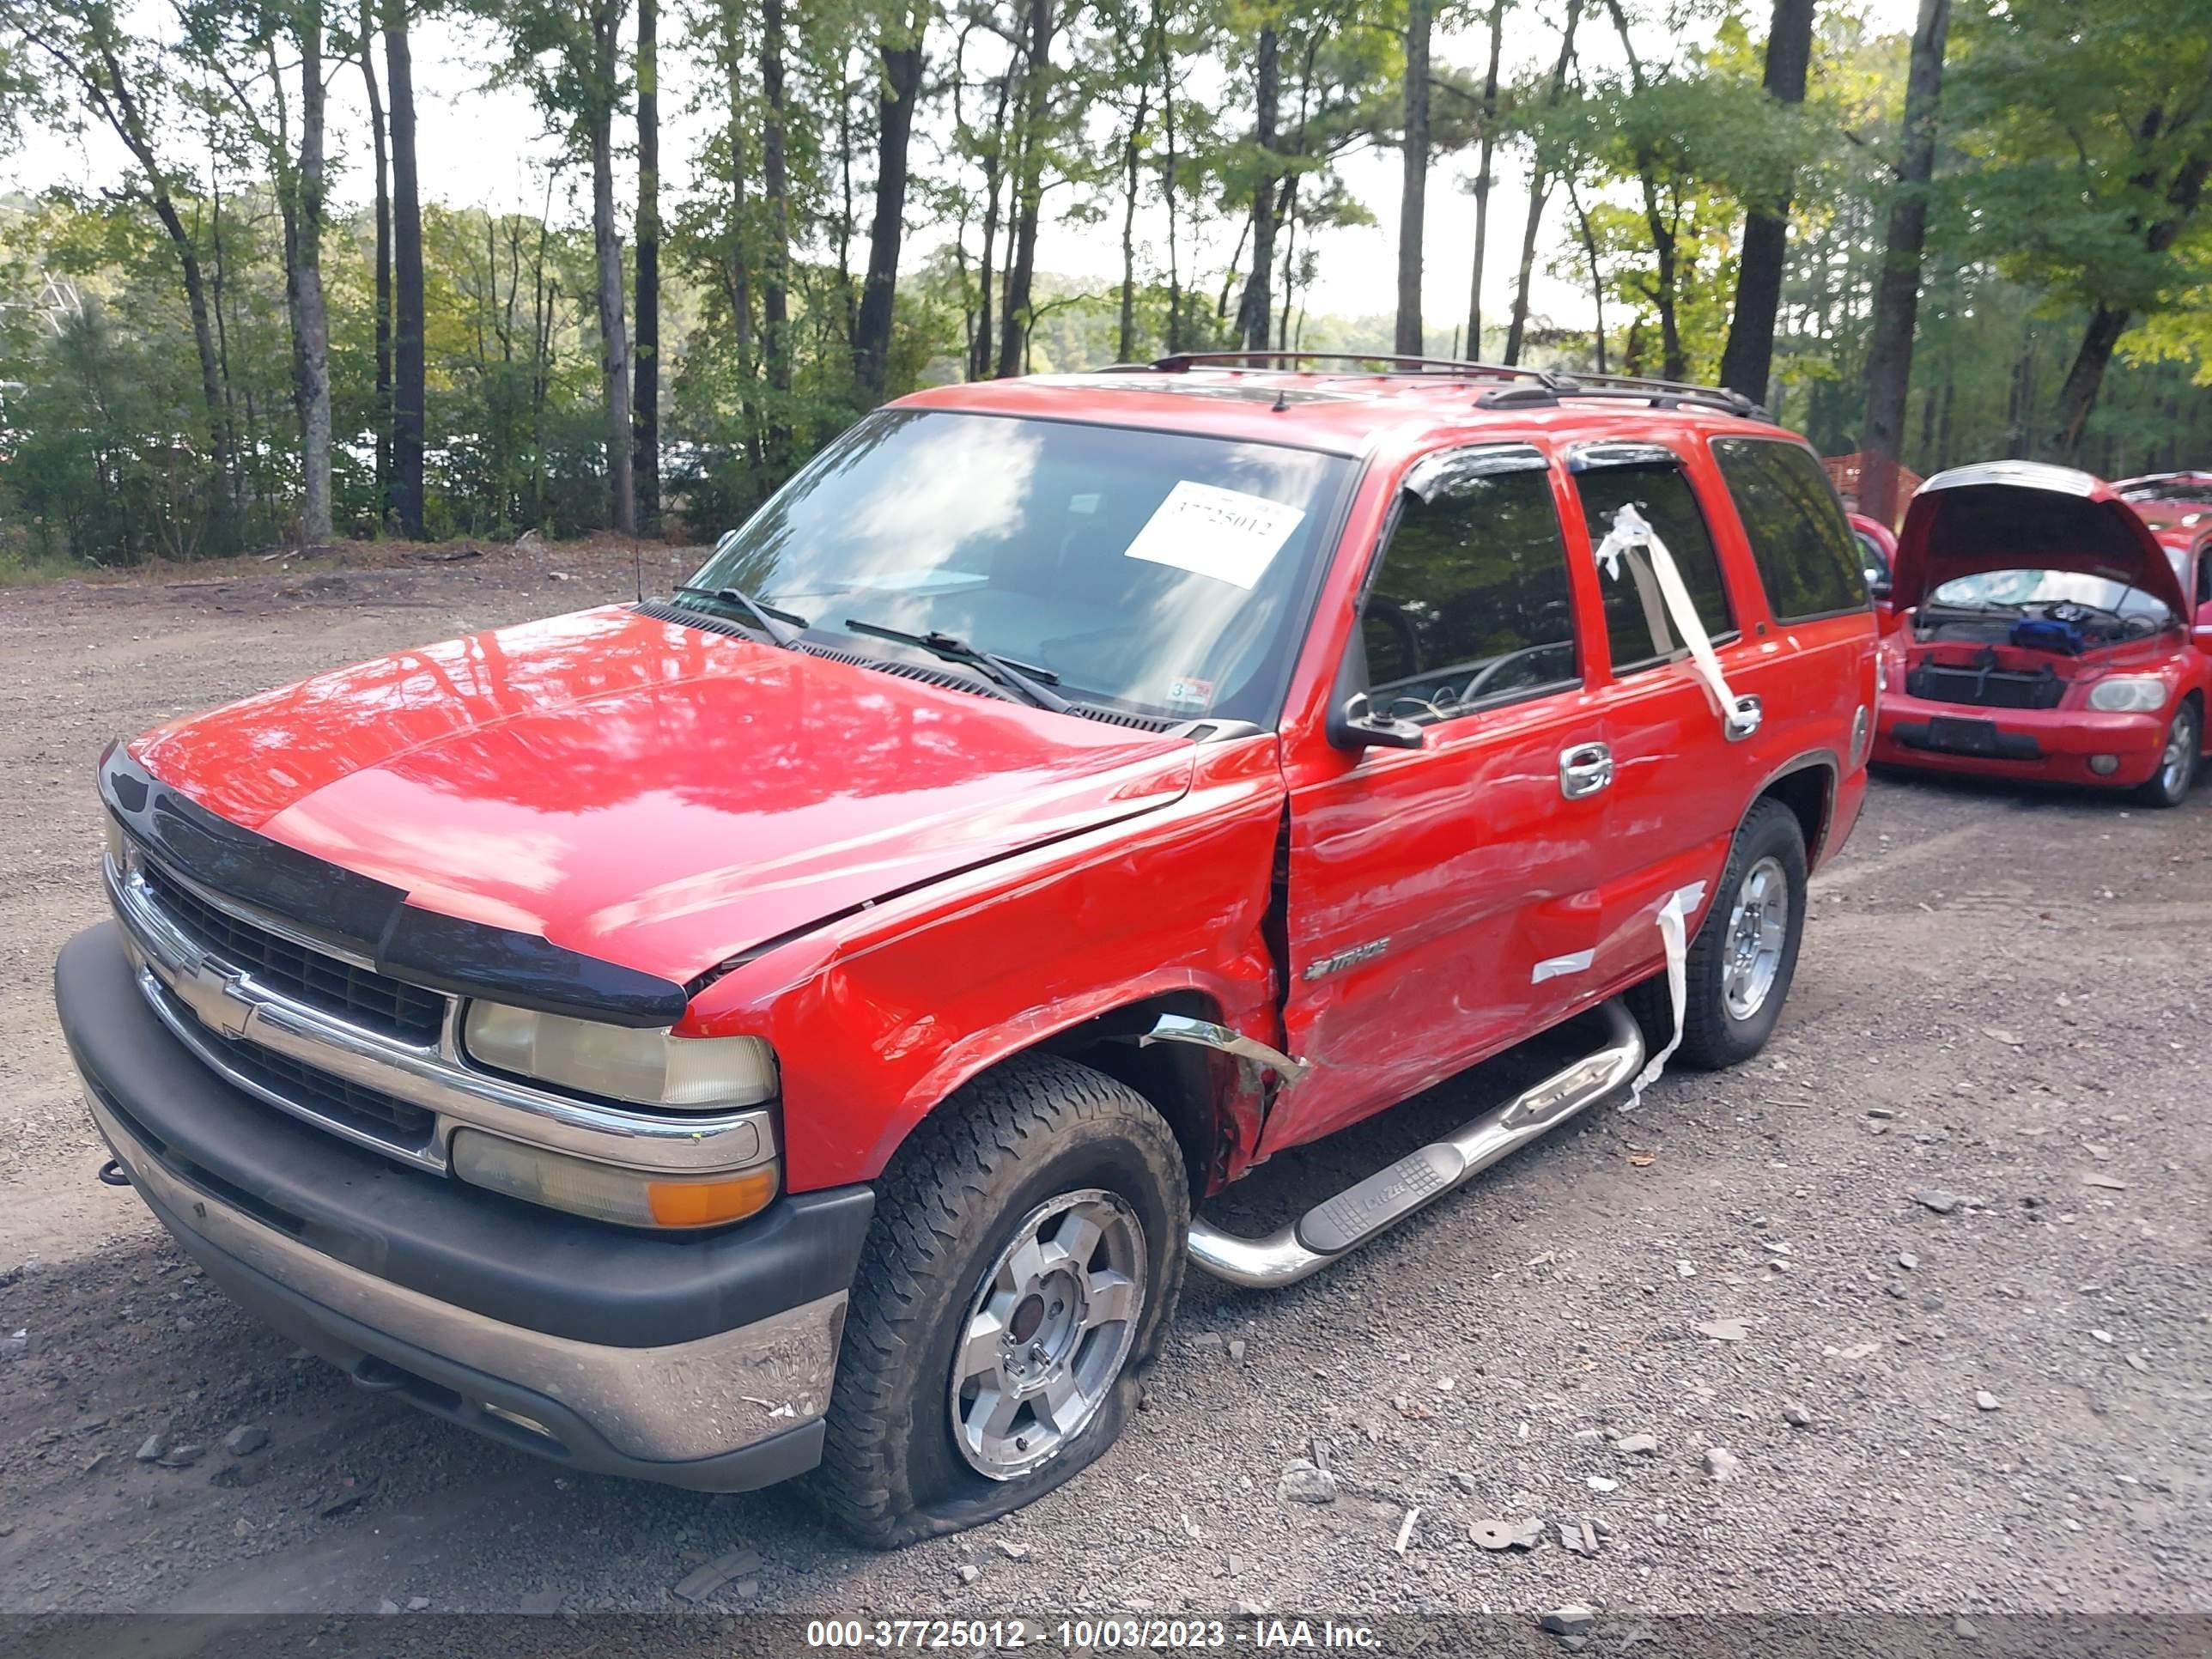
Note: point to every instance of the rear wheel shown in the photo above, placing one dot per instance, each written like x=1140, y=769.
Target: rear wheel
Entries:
x=1027, y=1251
x=2177, y=762
x=1737, y=970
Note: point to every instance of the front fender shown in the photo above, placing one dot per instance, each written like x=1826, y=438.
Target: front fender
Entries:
x=878, y=1018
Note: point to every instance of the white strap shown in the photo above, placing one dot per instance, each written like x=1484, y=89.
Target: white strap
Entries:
x=1630, y=532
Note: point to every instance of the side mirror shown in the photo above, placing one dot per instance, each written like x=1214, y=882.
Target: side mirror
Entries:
x=1353, y=724
x=1880, y=587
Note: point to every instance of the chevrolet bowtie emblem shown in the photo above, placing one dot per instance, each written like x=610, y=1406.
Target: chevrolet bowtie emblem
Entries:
x=219, y=999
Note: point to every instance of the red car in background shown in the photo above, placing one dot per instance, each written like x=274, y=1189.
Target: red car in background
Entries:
x=1878, y=556
x=2047, y=634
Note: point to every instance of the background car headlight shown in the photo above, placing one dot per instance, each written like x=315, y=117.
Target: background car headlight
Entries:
x=631, y=1198
x=2129, y=694
x=649, y=1068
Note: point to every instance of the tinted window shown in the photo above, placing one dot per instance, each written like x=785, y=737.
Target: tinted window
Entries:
x=1804, y=547
x=1637, y=625
x=1471, y=605
x=1158, y=571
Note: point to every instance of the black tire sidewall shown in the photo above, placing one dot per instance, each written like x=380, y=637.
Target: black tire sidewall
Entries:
x=1133, y=1155
x=1715, y=1038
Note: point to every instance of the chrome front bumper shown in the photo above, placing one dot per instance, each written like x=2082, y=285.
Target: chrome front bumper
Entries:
x=682, y=1413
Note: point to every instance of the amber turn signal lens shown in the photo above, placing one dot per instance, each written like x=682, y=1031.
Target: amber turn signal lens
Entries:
x=631, y=1198
x=710, y=1203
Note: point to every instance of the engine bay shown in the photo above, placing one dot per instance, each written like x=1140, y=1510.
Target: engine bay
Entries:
x=2064, y=628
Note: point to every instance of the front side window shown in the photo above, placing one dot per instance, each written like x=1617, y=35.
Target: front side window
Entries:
x=1161, y=573
x=1637, y=629
x=1471, y=605
x=1804, y=547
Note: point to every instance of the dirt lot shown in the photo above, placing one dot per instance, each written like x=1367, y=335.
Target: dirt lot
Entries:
x=2004, y=1404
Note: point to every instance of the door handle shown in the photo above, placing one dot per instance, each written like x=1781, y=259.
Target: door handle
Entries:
x=1584, y=770
x=1743, y=720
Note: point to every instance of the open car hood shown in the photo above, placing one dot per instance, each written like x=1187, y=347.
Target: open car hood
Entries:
x=2016, y=515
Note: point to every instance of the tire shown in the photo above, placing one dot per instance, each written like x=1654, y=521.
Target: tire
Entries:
x=964, y=1191
x=1718, y=1029
x=2177, y=767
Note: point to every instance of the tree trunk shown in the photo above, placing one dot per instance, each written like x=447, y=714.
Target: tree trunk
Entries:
x=1897, y=291
x=311, y=334
x=1540, y=191
x=644, y=400
x=1748, y=362
x=1413, y=187
x=111, y=94
x=383, y=210
x=1487, y=145
x=902, y=86
x=1167, y=173
x=1253, y=316
x=408, y=403
x=979, y=361
x=1597, y=278
x=614, y=347
x=1028, y=193
x=1126, y=344
x=775, y=273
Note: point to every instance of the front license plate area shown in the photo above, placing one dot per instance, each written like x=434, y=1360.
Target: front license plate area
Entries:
x=1962, y=737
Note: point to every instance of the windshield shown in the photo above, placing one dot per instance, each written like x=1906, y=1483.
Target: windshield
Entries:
x=2184, y=487
x=2014, y=590
x=1151, y=571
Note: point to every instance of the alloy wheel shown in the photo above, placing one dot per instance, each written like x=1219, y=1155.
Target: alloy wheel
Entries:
x=1048, y=1329
x=1757, y=929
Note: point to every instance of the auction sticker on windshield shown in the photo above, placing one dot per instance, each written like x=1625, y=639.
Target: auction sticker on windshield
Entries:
x=1222, y=533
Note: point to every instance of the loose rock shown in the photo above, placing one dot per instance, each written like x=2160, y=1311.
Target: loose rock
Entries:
x=969, y=1572
x=703, y=1582
x=1985, y=1399
x=1937, y=1200
x=1572, y=1619
x=1014, y=1551
x=1723, y=1330
x=183, y=1457
x=1721, y=1463
x=1796, y=1415
x=246, y=1439
x=1644, y=1443
x=1302, y=1483
x=154, y=1445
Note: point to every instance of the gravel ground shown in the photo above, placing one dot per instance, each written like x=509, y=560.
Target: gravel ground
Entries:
x=1928, y=1279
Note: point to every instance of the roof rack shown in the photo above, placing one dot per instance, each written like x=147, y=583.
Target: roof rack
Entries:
x=1659, y=394
x=1183, y=362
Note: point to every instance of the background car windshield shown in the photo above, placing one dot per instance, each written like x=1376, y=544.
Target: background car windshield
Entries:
x=2024, y=588
x=1154, y=571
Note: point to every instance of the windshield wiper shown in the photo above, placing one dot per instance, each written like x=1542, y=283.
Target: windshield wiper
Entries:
x=782, y=627
x=1026, y=681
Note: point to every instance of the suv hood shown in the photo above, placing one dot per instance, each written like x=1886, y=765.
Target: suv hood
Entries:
x=649, y=792
x=2005, y=515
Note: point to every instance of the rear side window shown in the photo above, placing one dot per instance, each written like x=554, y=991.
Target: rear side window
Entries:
x=1637, y=625
x=1471, y=605
x=1803, y=545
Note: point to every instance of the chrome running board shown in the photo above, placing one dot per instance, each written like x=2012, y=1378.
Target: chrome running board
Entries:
x=1355, y=1215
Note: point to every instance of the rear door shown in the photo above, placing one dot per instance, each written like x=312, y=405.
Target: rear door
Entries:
x=1443, y=899
x=1678, y=783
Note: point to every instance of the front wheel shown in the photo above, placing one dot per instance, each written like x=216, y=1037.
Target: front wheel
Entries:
x=1027, y=1251
x=2177, y=761
x=1737, y=970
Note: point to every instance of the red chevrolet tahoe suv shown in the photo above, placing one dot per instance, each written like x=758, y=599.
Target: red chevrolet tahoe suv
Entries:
x=793, y=1027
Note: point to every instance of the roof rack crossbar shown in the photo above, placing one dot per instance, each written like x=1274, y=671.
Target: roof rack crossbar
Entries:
x=1180, y=362
x=1659, y=394
x=1681, y=388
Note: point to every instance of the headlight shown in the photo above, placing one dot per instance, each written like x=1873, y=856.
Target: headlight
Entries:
x=649, y=1068
x=2129, y=694
x=630, y=1197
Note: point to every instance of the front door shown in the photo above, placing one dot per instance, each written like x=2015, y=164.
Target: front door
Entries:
x=1441, y=899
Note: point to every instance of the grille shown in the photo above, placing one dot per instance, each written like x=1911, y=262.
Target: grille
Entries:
x=1985, y=687
x=333, y=1097
x=373, y=1000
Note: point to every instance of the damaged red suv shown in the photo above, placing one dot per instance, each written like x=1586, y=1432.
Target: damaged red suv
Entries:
x=792, y=1027
x=2052, y=637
